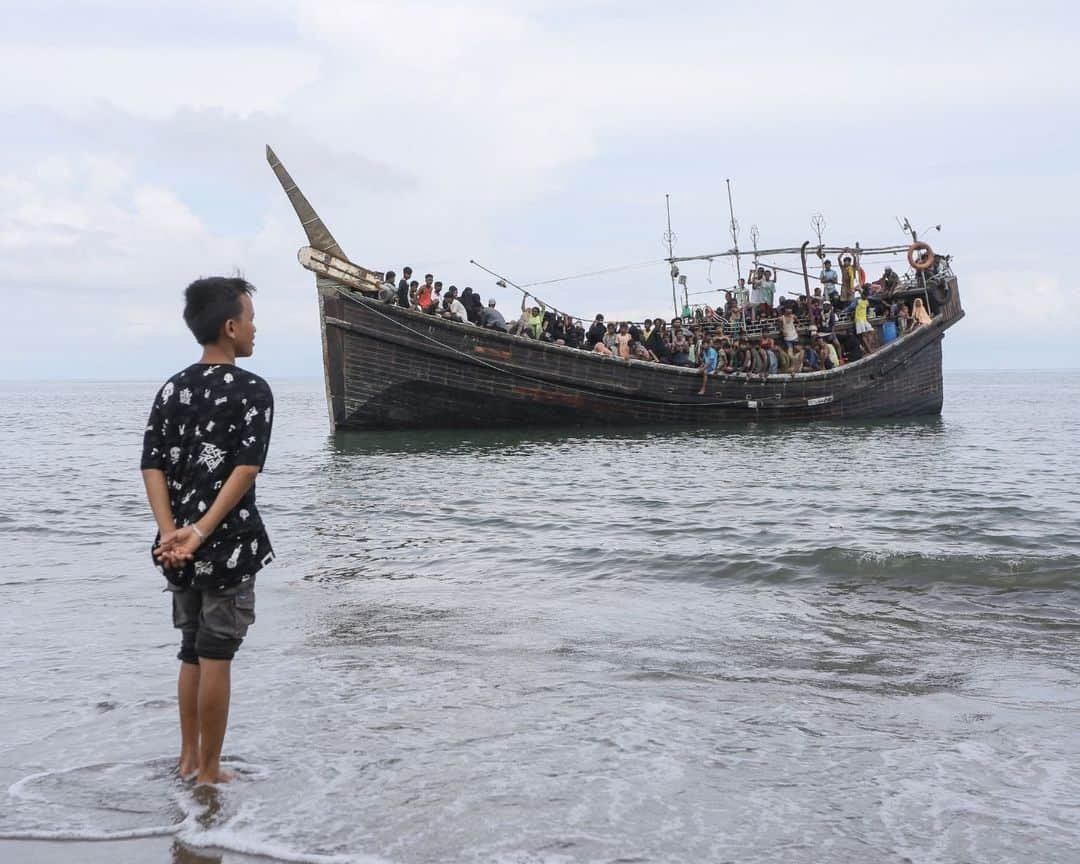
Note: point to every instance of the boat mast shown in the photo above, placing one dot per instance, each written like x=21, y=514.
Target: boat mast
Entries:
x=734, y=231
x=669, y=238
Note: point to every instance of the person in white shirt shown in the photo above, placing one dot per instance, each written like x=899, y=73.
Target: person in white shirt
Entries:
x=457, y=311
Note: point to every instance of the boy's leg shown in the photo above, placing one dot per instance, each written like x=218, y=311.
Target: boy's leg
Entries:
x=187, y=691
x=223, y=624
x=215, y=685
x=187, y=609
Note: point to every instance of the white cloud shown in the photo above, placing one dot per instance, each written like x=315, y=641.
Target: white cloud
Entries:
x=537, y=137
x=154, y=81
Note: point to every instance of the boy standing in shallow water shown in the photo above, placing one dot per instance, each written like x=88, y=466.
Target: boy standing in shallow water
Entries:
x=205, y=442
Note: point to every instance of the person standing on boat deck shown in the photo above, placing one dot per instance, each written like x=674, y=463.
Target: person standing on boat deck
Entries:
x=403, y=288
x=789, y=333
x=741, y=295
x=768, y=289
x=756, y=278
x=205, y=442
x=864, y=330
x=425, y=295
x=829, y=278
x=848, y=278
x=415, y=290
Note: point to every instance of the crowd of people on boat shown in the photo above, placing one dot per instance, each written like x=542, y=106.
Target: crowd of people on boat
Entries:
x=751, y=333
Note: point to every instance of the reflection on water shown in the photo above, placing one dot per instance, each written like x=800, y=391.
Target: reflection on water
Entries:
x=349, y=442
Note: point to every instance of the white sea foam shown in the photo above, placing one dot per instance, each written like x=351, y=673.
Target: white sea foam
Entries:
x=90, y=835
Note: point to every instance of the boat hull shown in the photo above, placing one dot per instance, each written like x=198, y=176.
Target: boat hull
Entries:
x=388, y=367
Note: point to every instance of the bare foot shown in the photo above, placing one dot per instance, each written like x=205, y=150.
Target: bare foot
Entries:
x=187, y=767
x=214, y=777
x=700, y=392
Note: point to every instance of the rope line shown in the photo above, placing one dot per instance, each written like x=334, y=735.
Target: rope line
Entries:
x=596, y=273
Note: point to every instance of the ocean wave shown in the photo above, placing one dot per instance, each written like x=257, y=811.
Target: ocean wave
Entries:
x=91, y=835
x=1044, y=571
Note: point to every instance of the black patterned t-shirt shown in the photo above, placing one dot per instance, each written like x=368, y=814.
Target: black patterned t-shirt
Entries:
x=206, y=420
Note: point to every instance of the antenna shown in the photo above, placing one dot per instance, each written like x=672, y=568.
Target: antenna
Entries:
x=670, y=239
x=734, y=230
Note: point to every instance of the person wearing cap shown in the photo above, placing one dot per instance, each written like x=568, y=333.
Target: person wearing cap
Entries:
x=491, y=318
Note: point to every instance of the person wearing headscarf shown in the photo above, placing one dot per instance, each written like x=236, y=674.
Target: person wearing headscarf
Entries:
x=919, y=315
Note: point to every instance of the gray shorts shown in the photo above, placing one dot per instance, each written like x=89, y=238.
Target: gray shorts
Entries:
x=212, y=621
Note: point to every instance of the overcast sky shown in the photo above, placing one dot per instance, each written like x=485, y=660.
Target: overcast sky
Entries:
x=537, y=137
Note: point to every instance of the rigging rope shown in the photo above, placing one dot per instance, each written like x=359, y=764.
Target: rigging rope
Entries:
x=597, y=272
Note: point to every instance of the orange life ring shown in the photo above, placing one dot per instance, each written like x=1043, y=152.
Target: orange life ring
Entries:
x=927, y=261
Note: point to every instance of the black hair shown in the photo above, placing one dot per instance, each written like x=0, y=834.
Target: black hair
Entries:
x=210, y=302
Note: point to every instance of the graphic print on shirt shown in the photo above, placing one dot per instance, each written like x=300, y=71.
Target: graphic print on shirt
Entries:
x=220, y=419
x=211, y=457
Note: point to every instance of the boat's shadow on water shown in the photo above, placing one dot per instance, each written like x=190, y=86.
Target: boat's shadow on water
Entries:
x=419, y=441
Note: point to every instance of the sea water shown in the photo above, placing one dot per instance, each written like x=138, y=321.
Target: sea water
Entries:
x=840, y=642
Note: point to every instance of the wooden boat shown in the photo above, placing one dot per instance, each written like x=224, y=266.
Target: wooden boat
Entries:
x=390, y=367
